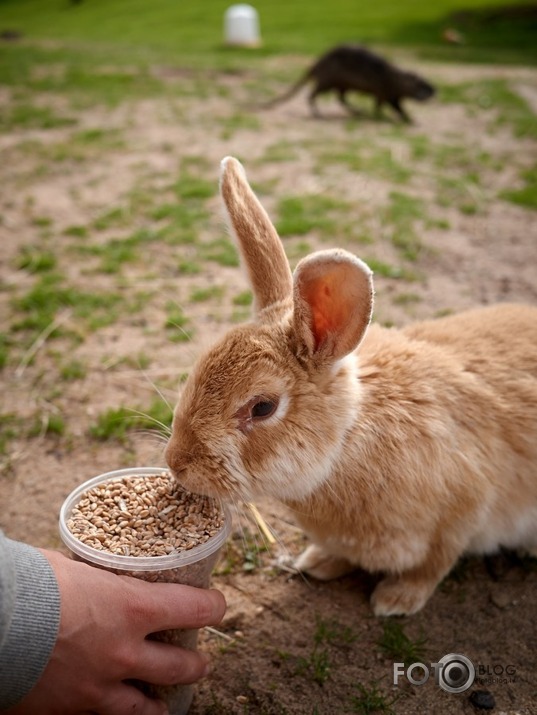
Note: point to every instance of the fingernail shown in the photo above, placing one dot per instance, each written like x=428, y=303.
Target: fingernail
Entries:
x=207, y=670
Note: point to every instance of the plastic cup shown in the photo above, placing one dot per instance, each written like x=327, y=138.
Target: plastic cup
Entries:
x=192, y=567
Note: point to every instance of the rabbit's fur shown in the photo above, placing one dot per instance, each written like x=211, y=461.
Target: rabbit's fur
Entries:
x=396, y=450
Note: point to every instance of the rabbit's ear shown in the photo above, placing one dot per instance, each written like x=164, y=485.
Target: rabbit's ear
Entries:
x=260, y=246
x=333, y=303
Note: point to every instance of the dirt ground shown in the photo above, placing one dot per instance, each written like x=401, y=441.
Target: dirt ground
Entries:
x=288, y=644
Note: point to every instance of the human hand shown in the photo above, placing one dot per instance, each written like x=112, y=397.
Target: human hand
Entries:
x=102, y=642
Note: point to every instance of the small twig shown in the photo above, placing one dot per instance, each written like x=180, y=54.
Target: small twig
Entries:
x=215, y=632
x=40, y=341
x=261, y=523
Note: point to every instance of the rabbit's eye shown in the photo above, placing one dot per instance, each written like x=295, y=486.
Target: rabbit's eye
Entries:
x=257, y=409
x=264, y=408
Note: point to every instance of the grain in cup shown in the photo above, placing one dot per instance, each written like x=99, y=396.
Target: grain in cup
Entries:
x=138, y=522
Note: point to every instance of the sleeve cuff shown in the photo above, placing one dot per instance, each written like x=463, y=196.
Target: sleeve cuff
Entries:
x=30, y=619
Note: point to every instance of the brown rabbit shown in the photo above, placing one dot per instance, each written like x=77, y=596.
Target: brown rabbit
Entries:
x=396, y=450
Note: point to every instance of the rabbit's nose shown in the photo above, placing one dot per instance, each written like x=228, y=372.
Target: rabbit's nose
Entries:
x=175, y=459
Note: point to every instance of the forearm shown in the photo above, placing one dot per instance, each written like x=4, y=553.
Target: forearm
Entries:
x=29, y=618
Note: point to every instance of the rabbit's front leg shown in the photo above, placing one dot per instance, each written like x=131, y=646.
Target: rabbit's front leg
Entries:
x=406, y=593
x=317, y=562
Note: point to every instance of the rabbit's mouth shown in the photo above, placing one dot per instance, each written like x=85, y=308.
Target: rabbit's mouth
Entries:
x=208, y=476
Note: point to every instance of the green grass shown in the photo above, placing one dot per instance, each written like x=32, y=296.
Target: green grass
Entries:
x=201, y=295
x=328, y=633
x=33, y=260
x=221, y=251
x=117, y=423
x=371, y=701
x=396, y=645
x=51, y=294
x=402, y=212
x=362, y=158
x=298, y=215
x=73, y=370
x=49, y=424
x=55, y=156
x=4, y=350
x=194, y=31
x=10, y=427
x=527, y=195
x=176, y=324
x=117, y=251
x=243, y=553
x=24, y=115
x=244, y=299
x=507, y=106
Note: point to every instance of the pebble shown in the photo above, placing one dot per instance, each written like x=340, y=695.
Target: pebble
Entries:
x=483, y=700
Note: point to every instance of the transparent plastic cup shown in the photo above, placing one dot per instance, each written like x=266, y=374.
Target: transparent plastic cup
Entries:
x=192, y=567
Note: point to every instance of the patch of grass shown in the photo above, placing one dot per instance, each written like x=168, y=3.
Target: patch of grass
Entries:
x=402, y=211
x=200, y=295
x=361, y=157
x=459, y=192
x=186, y=215
x=49, y=424
x=243, y=553
x=50, y=294
x=176, y=323
x=496, y=94
x=296, y=250
x=42, y=221
x=407, y=299
x=73, y=370
x=77, y=148
x=221, y=251
x=117, y=251
x=245, y=298
x=280, y=151
x=33, y=260
x=112, y=218
x=316, y=665
x=189, y=268
x=116, y=423
x=327, y=633
x=333, y=632
x=193, y=187
x=298, y=27
x=4, y=350
x=395, y=644
x=23, y=115
x=238, y=121
x=10, y=427
x=371, y=701
x=386, y=270
x=527, y=195
x=298, y=215
x=76, y=231
x=85, y=73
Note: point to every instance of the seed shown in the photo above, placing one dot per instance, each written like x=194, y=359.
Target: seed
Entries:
x=144, y=515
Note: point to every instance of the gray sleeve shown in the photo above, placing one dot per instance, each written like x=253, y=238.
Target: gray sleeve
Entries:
x=29, y=618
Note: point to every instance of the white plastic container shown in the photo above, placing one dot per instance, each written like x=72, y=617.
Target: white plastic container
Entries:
x=192, y=567
x=241, y=26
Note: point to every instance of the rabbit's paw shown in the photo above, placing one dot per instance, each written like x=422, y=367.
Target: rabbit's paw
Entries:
x=318, y=563
x=395, y=596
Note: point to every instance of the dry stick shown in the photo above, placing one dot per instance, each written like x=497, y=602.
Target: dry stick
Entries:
x=218, y=633
x=40, y=341
x=261, y=523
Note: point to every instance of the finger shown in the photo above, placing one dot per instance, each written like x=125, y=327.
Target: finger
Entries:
x=164, y=606
x=128, y=700
x=165, y=664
